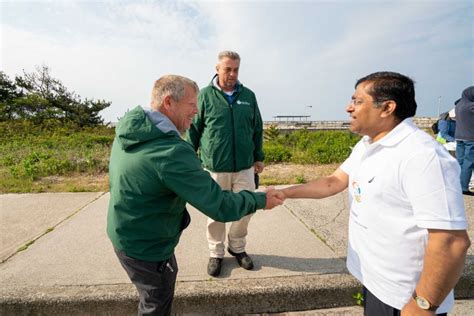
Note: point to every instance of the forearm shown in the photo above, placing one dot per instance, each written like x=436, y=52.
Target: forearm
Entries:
x=316, y=189
x=443, y=264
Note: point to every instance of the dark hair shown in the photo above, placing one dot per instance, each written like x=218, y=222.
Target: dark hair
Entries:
x=388, y=85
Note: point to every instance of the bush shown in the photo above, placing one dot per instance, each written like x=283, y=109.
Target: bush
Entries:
x=307, y=147
x=276, y=153
x=30, y=151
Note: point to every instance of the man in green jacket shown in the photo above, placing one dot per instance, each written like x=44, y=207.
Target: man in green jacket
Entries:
x=228, y=132
x=153, y=173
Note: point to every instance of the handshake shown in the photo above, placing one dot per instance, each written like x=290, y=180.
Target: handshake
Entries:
x=275, y=197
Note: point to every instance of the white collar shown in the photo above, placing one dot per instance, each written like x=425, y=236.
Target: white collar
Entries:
x=395, y=136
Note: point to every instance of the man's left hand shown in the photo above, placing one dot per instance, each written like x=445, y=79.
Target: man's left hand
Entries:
x=258, y=166
x=411, y=309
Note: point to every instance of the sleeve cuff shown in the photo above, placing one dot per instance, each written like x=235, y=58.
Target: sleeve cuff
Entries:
x=456, y=225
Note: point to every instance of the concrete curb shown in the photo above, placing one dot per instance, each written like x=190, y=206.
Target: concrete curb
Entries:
x=236, y=296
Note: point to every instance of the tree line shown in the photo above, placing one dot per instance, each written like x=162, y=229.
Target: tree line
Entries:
x=39, y=97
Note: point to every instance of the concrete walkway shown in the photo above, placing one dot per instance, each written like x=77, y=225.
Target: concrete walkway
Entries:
x=67, y=265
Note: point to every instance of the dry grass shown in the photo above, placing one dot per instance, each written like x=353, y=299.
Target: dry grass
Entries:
x=273, y=174
x=73, y=183
x=287, y=173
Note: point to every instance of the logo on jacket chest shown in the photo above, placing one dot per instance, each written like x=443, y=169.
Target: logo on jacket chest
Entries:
x=242, y=102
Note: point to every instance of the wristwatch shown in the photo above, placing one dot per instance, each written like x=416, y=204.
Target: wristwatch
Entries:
x=423, y=303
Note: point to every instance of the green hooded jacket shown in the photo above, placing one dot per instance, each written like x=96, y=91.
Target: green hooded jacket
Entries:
x=153, y=172
x=229, y=136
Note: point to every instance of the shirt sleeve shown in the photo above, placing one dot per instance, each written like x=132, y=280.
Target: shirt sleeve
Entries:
x=430, y=180
x=348, y=165
x=258, y=135
x=183, y=174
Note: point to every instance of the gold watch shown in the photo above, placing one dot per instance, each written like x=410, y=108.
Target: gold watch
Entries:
x=423, y=303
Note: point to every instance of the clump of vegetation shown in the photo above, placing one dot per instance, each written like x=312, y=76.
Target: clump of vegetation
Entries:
x=29, y=152
x=309, y=147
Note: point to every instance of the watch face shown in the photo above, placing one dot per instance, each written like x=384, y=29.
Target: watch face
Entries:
x=422, y=303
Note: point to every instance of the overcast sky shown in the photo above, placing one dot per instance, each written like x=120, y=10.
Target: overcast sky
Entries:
x=299, y=57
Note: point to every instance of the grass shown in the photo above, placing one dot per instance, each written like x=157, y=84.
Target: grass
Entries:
x=55, y=157
x=52, y=157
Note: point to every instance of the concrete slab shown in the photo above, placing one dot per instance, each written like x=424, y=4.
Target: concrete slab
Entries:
x=279, y=244
x=298, y=249
x=24, y=217
x=78, y=252
x=328, y=218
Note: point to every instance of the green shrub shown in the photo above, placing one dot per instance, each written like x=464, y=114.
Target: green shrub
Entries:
x=310, y=147
x=276, y=153
x=30, y=151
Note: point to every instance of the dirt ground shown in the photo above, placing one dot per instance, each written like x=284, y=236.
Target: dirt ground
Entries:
x=272, y=175
x=293, y=173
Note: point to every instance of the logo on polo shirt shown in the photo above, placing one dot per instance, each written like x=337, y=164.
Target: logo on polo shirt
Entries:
x=356, y=192
x=242, y=102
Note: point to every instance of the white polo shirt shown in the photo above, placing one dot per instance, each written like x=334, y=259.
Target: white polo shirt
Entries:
x=398, y=187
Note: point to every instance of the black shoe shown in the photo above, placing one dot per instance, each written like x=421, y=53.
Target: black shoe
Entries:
x=214, y=266
x=243, y=259
x=468, y=193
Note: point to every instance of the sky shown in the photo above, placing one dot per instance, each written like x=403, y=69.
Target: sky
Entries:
x=299, y=57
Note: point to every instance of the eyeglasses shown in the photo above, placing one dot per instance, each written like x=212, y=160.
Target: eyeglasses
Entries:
x=355, y=102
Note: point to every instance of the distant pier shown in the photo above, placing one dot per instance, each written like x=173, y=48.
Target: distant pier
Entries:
x=290, y=123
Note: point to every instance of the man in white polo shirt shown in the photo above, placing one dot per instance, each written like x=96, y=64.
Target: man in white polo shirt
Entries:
x=407, y=227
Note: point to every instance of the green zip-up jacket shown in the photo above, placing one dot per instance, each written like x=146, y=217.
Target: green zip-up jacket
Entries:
x=228, y=136
x=153, y=172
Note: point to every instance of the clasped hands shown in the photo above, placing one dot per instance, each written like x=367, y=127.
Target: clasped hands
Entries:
x=275, y=197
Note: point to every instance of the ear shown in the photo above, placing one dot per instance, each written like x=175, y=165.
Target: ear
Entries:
x=388, y=108
x=167, y=102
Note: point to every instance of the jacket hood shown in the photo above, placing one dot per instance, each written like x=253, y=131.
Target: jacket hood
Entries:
x=468, y=94
x=138, y=126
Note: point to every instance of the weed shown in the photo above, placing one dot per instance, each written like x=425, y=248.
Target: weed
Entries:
x=359, y=298
x=25, y=246
x=300, y=179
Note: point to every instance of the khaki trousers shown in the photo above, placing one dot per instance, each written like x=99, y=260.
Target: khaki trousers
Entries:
x=235, y=182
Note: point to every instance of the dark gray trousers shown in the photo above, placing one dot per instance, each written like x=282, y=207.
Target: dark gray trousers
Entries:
x=375, y=307
x=155, y=282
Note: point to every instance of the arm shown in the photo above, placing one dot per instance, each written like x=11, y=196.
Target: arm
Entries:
x=443, y=264
x=258, y=154
x=182, y=173
x=319, y=188
x=431, y=183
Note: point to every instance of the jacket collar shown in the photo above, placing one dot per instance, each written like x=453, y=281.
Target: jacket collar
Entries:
x=214, y=83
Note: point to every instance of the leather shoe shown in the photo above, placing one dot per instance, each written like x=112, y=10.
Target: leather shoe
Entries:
x=214, y=266
x=243, y=259
x=468, y=193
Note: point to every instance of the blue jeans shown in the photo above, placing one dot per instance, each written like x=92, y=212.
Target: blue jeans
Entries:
x=465, y=156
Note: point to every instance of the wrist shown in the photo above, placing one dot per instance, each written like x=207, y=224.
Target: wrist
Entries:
x=424, y=303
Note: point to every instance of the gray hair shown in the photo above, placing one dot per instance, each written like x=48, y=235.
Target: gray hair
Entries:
x=170, y=85
x=229, y=54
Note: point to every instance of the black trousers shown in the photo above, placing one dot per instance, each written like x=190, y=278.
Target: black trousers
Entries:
x=375, y=307
x=155, y=282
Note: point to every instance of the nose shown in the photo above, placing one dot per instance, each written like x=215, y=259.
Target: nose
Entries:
x=350, y=107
